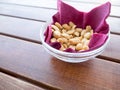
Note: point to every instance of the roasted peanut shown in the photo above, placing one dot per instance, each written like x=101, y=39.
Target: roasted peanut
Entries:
x=83, y=32
x=87, y=35
x=70, y=31
x=74, y=41
x=73, y=27
x=53, y=40
x=70, y=36
x=65, y=35
x=62, y=48
x=80, y=37
x=91, y=32
x=62, y=40
x=68, y=44
x=78, y=46
x=76, y=34
x=58, y=25
x=85, y=47
x=78, y=30
x=66, y=26
x=64, y=31
x=65, y=46
x=88, y=28
x=56, y=34
x=83, y=40
x=72, y=46
x=71, y=24
x=86, y=42
x=55, y=28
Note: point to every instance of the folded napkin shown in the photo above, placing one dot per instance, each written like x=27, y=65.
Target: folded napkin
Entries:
x=96, y=18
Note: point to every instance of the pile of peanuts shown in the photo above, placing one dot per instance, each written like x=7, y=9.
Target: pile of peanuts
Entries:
x=70, y=36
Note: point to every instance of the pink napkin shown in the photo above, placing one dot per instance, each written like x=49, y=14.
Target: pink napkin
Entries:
x=96, y=18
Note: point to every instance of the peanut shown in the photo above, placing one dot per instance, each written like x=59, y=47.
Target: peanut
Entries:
x=56, y=34
x=71, y=24
x=73, y=27
x=91, y=32
x=88, y=28
x=55, y=28
x=78, y=46
x=58, y=25
x=70, y=36
x=65, y=35
x=62, y=48
x=76, y=34
x=74, y=41
x=66, y=26
x=64, y=31
x=86, y=42
x=83, y=32
x=79, y=30
x=72, y=46
x=87, y=35
x=65, y=46
x=83, y=40
x=62, y=40
x=53, y=40
x=85, y=47
x=70, y=31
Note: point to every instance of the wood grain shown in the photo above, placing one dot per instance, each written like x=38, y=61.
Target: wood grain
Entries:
x=35, y=14
x=29, y=2
x=53, y=4
x=26, y=11
x=31, y=30
x=114, y=2
x=9, y=83
x=112, y=50
x=32, y=61
x=20, y=27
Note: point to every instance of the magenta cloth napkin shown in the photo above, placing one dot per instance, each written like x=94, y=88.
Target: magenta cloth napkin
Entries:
x=96, y=18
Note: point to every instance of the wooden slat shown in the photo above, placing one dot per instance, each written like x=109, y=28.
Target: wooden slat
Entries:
x=27, y=12
x=114, y=2
x=113, y=50
x=114, y=24
x=31, y=30
x=20, y=27
x=10, y=83
x=30, y=2
x=32, y=61
x=53, y=4
x=42, y=14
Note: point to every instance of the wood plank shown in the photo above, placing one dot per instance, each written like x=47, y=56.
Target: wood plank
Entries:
x=113, y=50
x=114, y=24
x=31, y=29
x=30, y=2
x=10, y=83
x=36, y=15
x=32, y=61
x=20, y=27
x=114, y=2
x=53, y=4
x=27, y=12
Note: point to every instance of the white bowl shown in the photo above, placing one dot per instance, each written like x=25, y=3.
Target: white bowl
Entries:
x=71, y=57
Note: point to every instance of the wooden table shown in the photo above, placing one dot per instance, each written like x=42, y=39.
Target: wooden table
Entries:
x=25, y=65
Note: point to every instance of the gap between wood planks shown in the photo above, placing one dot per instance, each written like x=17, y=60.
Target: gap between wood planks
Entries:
x=38, y=42
x=22, y=18
x=7, y=3
x=29, y=80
